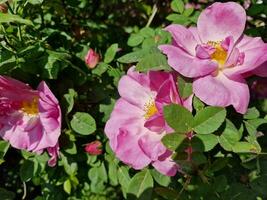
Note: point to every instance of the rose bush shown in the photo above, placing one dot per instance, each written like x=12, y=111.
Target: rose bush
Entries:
x=133, y=99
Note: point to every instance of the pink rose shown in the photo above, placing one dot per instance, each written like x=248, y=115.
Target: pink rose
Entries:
x=29, y=119
x=137, y=125
x=217, y=55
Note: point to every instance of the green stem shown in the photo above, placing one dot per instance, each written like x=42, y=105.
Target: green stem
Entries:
x=154, y=11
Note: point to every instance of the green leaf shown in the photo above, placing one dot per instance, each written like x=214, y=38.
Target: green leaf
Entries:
x=209, y=119
x=252, y=130
x=124, y=179
x=7, y=18
x=35, y=2
x=147, y=32
x=98, y=174
x=257, y=122
x=27, y=170
x=230, y=136
x=160, y=178
x=153, y=61
x=173, y=141
x=106, y=109
x=178, y=117
x=252, y=113
x=188, y=12
x=83, y=123
x=3, y=148
x=6, y=195
x=140, y=184
x=110, y=53
x=100, y=69
x=133, y=57
x=69, y=100
x=112, y=169
x=209, y=141
x=244, y=147
x=185, y=87
x=178, y=19
x=177, y=6
x=53, y=63
x=67, y=186
x=198, y=105
x=135, y=40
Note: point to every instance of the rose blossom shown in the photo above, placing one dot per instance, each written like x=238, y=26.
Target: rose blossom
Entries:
x=217, y=55
x=137, y=125
x=29, y=119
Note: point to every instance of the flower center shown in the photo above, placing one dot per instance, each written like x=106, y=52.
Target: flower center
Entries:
x=150, y=109
x=30, y=107
x=220, y=54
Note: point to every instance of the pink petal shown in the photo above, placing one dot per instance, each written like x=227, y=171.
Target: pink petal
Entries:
x=129, y=152
x=151, y=145
x=253, y=58
x=221, y=20
x=186, y=64
x=54, y=153
x=133, y=92
x=221, y=91
x=155, y=123
x=139, y=77
x=157, y=78
x=167, y=167
x=202, y=52
x=261, y=70
x=195, y=33
x=246, y=42
x=183, y=38
x=122, y=115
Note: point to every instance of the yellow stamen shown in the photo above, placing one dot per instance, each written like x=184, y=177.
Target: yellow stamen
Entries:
x=219, y=55
x=30, y=107
x=150, y=109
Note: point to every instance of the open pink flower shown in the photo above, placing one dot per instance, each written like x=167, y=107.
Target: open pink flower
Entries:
x=217, y=55
x=136, y=125
x=29, y=119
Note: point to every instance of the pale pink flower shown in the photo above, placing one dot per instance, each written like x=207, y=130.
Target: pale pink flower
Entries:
x=137, y=125
x=92, y=59
x=29, y=119
x=218, y=55
x=94, y=148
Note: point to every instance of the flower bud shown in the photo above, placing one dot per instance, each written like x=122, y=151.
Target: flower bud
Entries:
x=92, y=58
x=94, y=148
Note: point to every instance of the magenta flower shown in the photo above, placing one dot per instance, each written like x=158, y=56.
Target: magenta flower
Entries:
x=92, y=58
x=94, y=148
x=136, y=125
x=217, y=55
x=29, y=119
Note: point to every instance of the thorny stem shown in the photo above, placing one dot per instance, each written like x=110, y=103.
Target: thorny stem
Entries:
x=188, y=180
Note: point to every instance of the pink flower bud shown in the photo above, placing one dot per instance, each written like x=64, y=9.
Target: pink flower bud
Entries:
x=94, y=148
x=92, y=58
